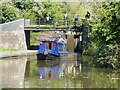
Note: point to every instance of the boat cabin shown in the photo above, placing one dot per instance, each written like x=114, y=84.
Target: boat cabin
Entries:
x=52, y=47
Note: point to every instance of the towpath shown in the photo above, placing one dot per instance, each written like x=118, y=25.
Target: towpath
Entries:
x=17, y=53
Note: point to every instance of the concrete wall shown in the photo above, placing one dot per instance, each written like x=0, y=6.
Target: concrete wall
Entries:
x=12, y=34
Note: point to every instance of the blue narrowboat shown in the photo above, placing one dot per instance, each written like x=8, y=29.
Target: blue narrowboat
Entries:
x=51, y=49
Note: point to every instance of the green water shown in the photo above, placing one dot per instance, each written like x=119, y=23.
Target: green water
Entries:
x=71, y=71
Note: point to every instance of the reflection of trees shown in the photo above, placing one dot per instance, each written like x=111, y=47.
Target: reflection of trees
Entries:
x=118, y=80
x=91, y=78
x=31, y=74
x=99, y=78
x=73, y=73
x=88, y=77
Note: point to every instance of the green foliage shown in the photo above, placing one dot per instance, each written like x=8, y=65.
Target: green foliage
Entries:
x=30, y=10
x=39, y=10
x=33, y=38
x=55, y=10
x=9, y=13
x=106, y=33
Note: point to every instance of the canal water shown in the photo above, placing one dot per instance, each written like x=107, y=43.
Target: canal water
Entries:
x=70, y=71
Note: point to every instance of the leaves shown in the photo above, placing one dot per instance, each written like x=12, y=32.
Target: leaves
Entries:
x=39, y=10
x=9, y=12
x=106, y=33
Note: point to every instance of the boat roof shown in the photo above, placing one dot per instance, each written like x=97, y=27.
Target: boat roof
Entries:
x=49, y=41
x=52, y=41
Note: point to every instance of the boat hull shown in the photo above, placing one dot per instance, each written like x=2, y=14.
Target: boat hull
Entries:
x=47, y=57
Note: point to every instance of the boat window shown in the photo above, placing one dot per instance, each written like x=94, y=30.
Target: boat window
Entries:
x=49, y=45
x=62, y=47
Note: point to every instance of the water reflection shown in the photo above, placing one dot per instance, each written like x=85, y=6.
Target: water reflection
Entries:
x=71, y=71
x=48, y=68
x=12, y=72
x=56, y=68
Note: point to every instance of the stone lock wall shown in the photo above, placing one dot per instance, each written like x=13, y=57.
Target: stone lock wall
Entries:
x=12, y=35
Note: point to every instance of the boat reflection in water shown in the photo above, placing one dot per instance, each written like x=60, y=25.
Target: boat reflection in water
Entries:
x=51, y=68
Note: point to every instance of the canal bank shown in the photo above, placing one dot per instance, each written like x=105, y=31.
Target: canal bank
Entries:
x=17, y=53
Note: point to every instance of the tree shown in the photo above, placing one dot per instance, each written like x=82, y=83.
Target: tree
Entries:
x=9, y=13
x=106, y=33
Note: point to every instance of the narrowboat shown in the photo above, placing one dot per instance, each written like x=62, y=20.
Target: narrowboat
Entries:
x=51, y=50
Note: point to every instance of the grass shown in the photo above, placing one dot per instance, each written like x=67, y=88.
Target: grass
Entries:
x=5, y=49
